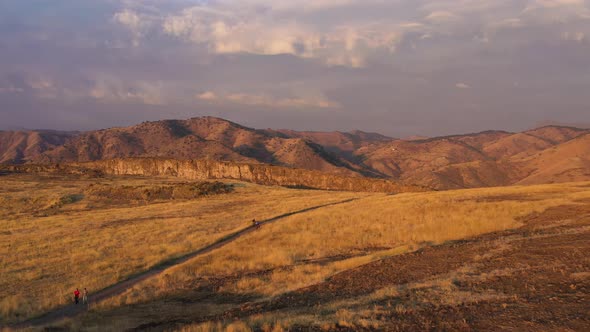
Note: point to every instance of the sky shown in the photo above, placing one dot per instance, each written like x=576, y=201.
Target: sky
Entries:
x=398, y=67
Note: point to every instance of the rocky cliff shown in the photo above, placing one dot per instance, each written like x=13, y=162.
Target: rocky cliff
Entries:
x=209, y=169
x=256, y=173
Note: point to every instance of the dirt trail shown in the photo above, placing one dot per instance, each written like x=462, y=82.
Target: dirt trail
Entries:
x=533, y=278
x=72, y=310
x=538, y=273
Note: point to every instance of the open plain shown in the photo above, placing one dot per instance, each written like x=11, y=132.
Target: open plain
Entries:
x=508, y=258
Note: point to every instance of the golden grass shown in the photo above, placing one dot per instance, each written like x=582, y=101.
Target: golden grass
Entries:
x=402, y=222
x=480, y=211
x=218, y=326
x=83, y=243
x=52, y=239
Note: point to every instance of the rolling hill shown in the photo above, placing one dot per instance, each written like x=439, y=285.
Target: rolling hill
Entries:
x=20, y=146
x=490, y=158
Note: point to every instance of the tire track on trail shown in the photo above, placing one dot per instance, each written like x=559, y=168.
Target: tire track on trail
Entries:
x=72, y=310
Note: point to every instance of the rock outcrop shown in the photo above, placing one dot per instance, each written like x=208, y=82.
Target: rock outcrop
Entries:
x=255, y=173
x=209, y=169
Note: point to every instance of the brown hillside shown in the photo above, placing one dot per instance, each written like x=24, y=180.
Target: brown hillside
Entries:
x=198, y=138
x=21, y=146
x=150, y=139
x=489, y=158
x=557, y=134
x=337, y=141
x=474, y=140
x=566, y=162
x=400, y=159
x=518, y=144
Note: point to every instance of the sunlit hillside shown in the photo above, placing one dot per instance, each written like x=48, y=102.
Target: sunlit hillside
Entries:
x=62, y=232
x=95, y=232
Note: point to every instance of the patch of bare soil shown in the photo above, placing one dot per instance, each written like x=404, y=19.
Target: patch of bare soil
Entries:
x=531, y=279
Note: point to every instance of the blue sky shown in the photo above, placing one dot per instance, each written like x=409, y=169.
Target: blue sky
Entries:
x=400, y=67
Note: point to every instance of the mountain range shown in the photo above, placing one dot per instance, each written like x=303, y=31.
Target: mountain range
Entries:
x=492, y=158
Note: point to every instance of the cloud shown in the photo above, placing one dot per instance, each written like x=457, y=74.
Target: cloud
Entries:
x=555, y=10
x=371, y=59
x=264, y=27
x=508, y=23
x=112, y=90
x=44, y=87
x=441, y=16
x=136, y=23
x=41, y=84
x=577, y=36
x=554, y=4
x=226, y=29
x=128, y=18
x=306, y=6
x=207, y=95
x=11, y=89
x=265, y=100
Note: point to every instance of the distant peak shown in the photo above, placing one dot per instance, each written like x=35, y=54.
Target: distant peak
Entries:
x=372, y=135
x=557, y=126
x=215, y=120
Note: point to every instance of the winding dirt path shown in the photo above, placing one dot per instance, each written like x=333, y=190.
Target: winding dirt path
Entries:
x=72, y=310
x=532, y=278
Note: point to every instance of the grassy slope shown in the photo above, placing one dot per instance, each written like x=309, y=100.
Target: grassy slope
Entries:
x=93, y=243
x=306, y=249
x=53, y=238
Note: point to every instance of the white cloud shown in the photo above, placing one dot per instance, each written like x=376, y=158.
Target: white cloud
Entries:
x=265, y=27
x=507, y=23
x=41, y=84
x=128, y=18
x=133, y=21
x=207, y=95
x=462, y=86
x=577, y=36
x=441, y=16
x=44, y=87
x=11, y=89
x=265, y=100
x=244, y=29
x=555, y=10
x=554, y=3
x=290, y=6
x=112, y=90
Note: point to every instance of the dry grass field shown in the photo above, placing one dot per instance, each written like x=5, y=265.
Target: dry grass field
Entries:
x=320, y=243
x=309, y=249
x=432, y=260
x=62, y=232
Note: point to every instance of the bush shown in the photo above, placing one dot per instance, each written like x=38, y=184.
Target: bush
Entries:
x=164, y=192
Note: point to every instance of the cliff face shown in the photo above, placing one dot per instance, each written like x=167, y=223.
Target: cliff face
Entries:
x=255, y=173
x=209, y=169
